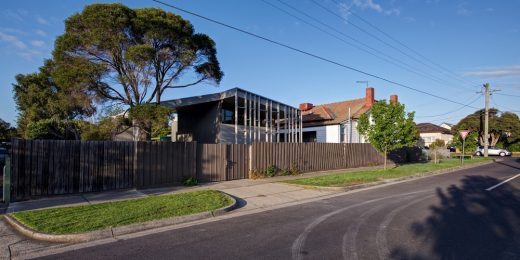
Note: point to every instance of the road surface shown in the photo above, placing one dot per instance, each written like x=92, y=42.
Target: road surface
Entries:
x=449, y=216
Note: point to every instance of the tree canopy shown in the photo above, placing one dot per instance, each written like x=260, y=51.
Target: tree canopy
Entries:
x=38, y=97
x=112, y=55
x=503, y=126
x=135, y=54
x=388, y=127
x=6, y=130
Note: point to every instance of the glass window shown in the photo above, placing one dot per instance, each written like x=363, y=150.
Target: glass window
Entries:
x=227, y=116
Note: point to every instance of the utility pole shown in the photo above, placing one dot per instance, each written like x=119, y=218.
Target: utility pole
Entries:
x=487, y=93
x=486, y=119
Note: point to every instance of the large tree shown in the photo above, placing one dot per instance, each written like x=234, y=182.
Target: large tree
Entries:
x=388, y=127
x=38, y=97
x=502, y=126
x=135, y=55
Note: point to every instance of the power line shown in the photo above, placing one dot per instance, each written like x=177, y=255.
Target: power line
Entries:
x=382, y=41
x=456, y=110
x=508, y=109
x=306, y=53
x=392, y=60
x=509, y=95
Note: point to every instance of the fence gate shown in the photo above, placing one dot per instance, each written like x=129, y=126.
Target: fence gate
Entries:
x=222, y=162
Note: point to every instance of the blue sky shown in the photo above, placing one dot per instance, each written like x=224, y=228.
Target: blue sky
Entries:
x=473, y=41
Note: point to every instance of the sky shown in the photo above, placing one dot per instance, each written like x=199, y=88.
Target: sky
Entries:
x=447, y=48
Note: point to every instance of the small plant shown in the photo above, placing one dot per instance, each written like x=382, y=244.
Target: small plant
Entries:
x=270, y=171
x=256, y=174
x=295, y=170
x=285, y=172
x=189, y=181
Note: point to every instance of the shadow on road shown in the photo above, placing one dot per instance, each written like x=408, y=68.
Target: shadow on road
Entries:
x=469, y=223
x=513, y=163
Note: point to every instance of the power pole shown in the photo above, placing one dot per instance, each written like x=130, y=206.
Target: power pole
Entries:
x=487, y=93
x=486, y=119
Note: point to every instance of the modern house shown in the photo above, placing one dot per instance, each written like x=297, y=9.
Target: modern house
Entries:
x=336, y=122
x=430, y=132
x=234, y=116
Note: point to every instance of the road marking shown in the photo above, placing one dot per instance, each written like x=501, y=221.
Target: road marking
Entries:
x=381, y=241
x=498, y=185
x=298, y=244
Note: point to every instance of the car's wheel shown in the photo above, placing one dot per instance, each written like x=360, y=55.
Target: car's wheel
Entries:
x=502, y=154
x=478, y=153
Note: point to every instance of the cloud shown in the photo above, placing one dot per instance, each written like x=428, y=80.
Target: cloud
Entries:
x=29, y=54
x=42, y=21
x=41, y=33
x=345, y=8
x=495, y=72
x=462, y=9
x=409, y=19
x=38, y=43
x=13, y=40
x=371, y=5
x=18, y=15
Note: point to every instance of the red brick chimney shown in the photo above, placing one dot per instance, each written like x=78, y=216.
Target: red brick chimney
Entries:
x=393, y=99
x=306, y=106
x=369, y=97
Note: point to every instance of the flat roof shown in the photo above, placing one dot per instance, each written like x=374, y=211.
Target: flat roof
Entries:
x=188, y=101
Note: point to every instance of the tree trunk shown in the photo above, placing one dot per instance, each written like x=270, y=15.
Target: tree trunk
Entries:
x=386, y=155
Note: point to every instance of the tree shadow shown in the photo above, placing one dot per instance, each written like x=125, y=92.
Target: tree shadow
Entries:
x=469, y=223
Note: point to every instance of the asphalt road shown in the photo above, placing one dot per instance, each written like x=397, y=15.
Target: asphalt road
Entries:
x=449, y=216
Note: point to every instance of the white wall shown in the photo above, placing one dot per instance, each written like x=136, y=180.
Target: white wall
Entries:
x=325, y=134
x=429, y=138
x=336, y=133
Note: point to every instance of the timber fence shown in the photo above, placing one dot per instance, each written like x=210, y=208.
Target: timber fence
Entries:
x=52, y=167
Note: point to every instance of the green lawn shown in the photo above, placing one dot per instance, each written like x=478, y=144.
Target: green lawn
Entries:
x=360, y=177
x=79, y=219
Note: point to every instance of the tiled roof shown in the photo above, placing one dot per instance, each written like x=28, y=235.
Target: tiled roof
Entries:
x=334, y=113
x=431, y=128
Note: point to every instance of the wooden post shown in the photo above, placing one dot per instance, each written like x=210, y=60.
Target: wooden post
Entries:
x=266, y=120
x=277, y=122
x=259, y=103
x=254, y=118
x=285, y=125
x=301, y=126
x=7, y=180
x=245, y=118
x=236, y=117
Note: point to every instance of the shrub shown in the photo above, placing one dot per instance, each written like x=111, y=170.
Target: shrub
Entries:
x=295, y=170
x=256, y=174
x=270, y=171
x=189, y=181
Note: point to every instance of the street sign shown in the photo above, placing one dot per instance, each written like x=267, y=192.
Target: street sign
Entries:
x=463, y=134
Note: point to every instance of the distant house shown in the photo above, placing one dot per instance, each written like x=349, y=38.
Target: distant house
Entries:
x=430, y=132
x=336, y=122
x=234, y=116
x=446, y=125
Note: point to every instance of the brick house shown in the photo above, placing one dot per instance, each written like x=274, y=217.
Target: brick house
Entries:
x=336, y=122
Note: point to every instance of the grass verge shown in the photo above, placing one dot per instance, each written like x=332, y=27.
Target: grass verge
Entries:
x=85, y=218
x=361, y=177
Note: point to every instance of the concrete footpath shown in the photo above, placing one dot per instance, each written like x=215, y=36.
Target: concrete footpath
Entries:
x=252, y=196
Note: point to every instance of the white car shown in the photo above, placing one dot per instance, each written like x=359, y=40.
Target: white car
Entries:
x=492, y=151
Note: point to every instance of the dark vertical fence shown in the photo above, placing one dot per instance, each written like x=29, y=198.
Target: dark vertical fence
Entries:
x=163, y=163
x=52, y=167
x=308, y=157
